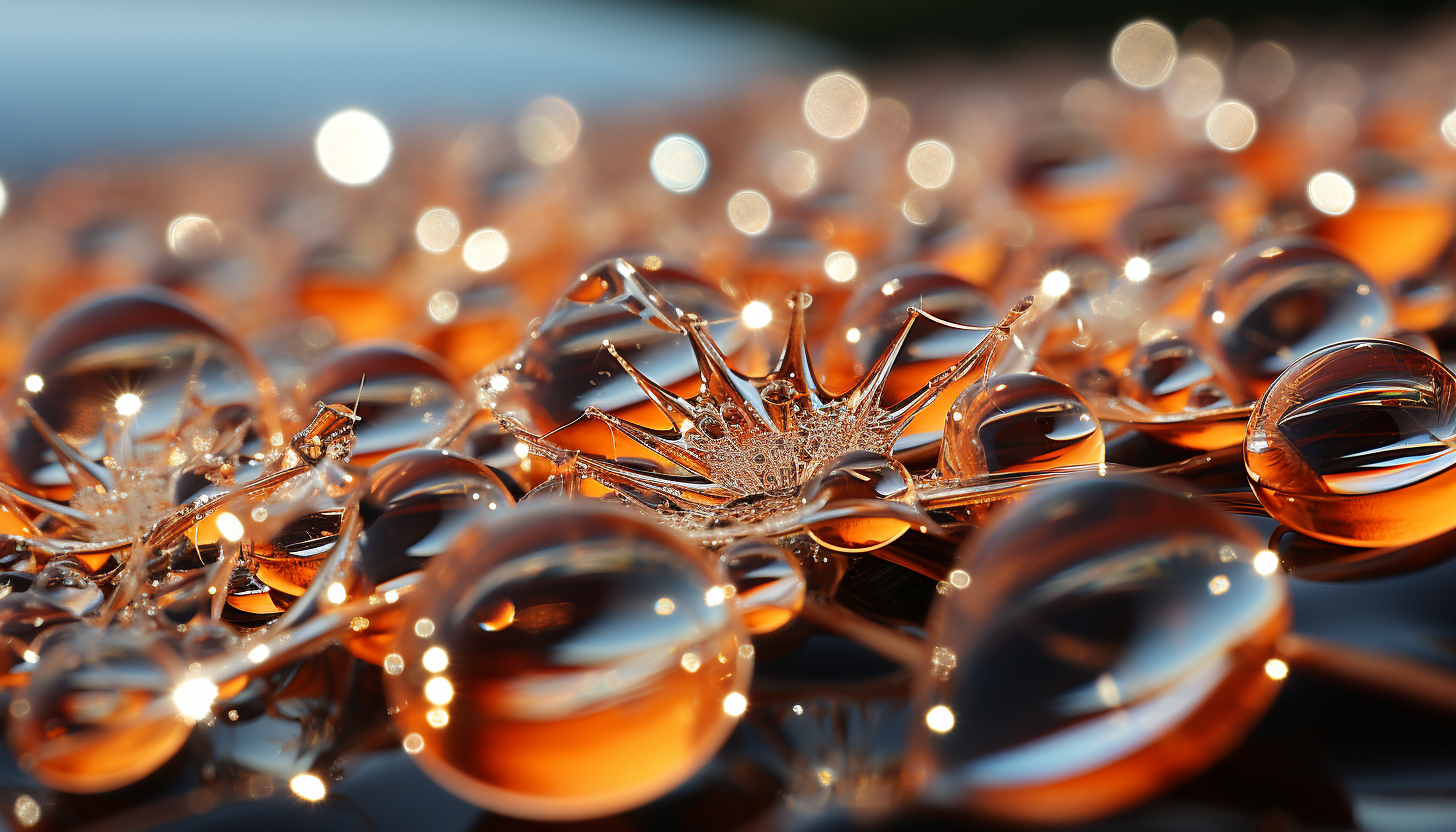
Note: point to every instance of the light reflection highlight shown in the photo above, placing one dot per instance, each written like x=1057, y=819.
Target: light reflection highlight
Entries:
x=437, y=229
x=750, y=212
x=1231, y=126
x=1331, y=193
x=486, y=249
x=835, y=105
x=930, y=163
x=193, y=237
x=756, y=315
x=547, y=130
x=1143, y=53
x=840, y=266
x=679, y=163
x=940, y=719
x=353, y=147
x=308, y=787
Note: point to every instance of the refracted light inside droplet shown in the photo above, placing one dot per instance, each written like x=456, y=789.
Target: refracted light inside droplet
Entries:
x=194, y=698
x=308, y=787
x=34, y=383
x=413, y=744
x=1056, y=283
x=679, y=163
x=336, y=593
x=930, y=163
x=1276, y=669
x=193, y=237
x=486, y=249
x=1218, y=585
x=437, y=229
x=1137, y=269
x=750, y=212
x=795, y=172
x=1231, y=125
x=353, y=147
x=1448, y=132
x=128, y=404
x=840, y=266
x=547, y=130
x=757, y=315
x=734, y=704
x=1331, y=193
x=1194, y=86
x=940, y=719
x=1143, y=53
x=443, y=306
x=835, y=105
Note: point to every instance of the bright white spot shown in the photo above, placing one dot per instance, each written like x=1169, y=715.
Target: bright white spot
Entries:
x=840, y=266
x=353, y=147
x=439, y=690
x=435, y=659
x=757, y=315
x=413, y=744
x=1448, y=132
x=438, y=717
x=486, y=249
x=940, y=719
x=714, y=596
x=437, y=229
x=521, y=449
x=3, y=198
x=34, y=383
x=547, y=130
x=679, y=163
x=1266, y=562
x=1219, y=585
x=1276, y=669
x=258, y=654
x=424, y=628
x=1138, y=269
x=128, y=404
x=498, y=383
x=27, y=809
x=959, y=578
x=852, y=335
x=308, y=787
x=750, y=212
x=734, y=704
x=1143, y=53
x=443, y=306
x=664, y=606
x=229, y=526
x=1331, y=193
x=691, y=662
x=1056, y=283
x=1231, y=125
x=835, y=105
x=1218, y=316
x=336, y=593
x=194, y=698
x=193, y=237
x=930, y=163
x=394, y=664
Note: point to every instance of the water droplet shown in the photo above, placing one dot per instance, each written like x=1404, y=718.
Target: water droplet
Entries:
x=768, y=584
x=407, y=398
x=1019, y=422
x=1089, y=649
x=1169, y=375
x=1353, y=444
x=835, y=105
x=581, y=706
x=849, y=482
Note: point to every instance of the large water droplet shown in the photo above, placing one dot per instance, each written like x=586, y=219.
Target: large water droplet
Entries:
x=407, y=397
x=768, y=585
x=1354, y=444
x=568, y=662
x=863, y=500
x=1111, y=641
x=1018, y=422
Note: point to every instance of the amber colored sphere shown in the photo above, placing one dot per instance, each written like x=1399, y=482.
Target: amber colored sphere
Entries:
x=571, y=660
x=97, y=713
x=1108, y=639
x=848, y=491
x=1353, y=444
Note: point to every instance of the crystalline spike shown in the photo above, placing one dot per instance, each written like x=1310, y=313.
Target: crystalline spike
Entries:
x=683, y=489
x=721, y=381
x=900, y=415
x=864, y=396
x=663, y=444
x=82, y=472
x=60, y=511
x=673, y=406
x=628, y=289
x=795, y=363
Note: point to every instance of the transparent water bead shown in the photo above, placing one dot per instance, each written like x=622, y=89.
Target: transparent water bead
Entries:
x=768, y=584
x=570, y=661
x=1354, y=444
x=418, y=502
x=1111, y=642
x=1169, y=375
x=1278, y=300
x=855, y=493
x=145, y=342
x=1018, y=422
x=406, y=395
x=97, y=712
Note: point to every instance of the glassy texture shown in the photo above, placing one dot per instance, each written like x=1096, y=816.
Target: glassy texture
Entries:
x=418, y=502
x=768, y=584
x=1354, y=444
x=406, y=395
x=1018, y=422
x=1279, y=300
x=97, y=712
x=1400, y=222
x=569, y=661
x=860, y=502
x=1110, y=642
x=1168, y=375
x=145, y=342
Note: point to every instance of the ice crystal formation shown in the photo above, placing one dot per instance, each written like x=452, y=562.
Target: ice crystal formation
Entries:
x=745, y=445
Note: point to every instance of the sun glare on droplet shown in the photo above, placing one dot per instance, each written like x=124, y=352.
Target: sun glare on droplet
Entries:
x=229, y=526
x=194, y=698
x=1056, y=283
x=1276, y=669
x=734, y=704
x=1143, y=53
x=679, y=163
x=128, y=404
x=353, y=147
x=757, y=315
x=486, y=249
x=1138, y=269
x=34, y=383
x=1231, y=125
x=437, y=229
x=308, y=787
x=930, y=163
x=940, y=719
x=547, y=130
x=835, y=105
x=750, y=212
x=1331, y=193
